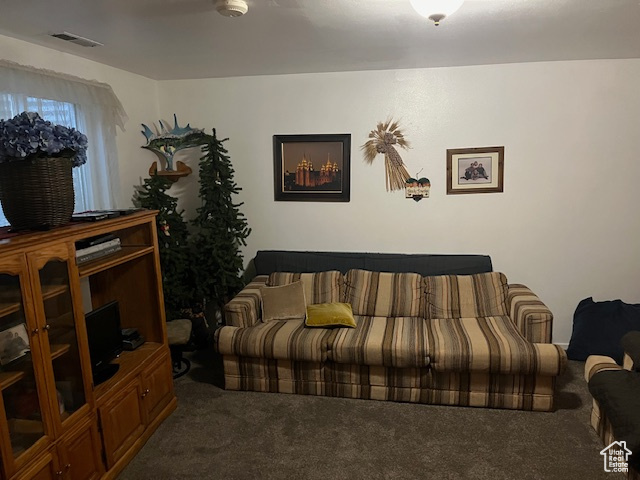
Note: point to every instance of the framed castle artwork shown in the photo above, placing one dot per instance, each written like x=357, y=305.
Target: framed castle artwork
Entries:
x=475, y=170
x=312, y=168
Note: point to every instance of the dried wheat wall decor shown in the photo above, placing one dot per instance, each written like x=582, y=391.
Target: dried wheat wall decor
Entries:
x=382, y=140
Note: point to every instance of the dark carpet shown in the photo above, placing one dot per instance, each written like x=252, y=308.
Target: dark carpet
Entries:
x=216, y=434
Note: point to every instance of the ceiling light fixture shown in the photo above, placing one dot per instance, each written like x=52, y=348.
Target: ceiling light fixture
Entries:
x=436, y=10
x=231, y=8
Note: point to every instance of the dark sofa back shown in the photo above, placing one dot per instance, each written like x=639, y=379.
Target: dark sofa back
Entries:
x=268, y=261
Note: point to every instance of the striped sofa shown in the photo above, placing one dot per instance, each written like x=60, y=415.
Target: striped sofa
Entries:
x=470, y=340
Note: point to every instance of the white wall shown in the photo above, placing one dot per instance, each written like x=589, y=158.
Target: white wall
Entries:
x=566, y=225
x=137, y=94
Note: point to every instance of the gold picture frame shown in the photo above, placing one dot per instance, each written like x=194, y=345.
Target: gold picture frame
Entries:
x=475, y=170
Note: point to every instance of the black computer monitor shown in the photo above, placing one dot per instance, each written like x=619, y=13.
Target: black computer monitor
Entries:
x=105, y=340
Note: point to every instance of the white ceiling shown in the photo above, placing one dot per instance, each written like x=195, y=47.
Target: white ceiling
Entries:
x=177, y=39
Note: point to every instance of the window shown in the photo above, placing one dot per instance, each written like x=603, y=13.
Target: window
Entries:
x=59, y=113
x=88, y=106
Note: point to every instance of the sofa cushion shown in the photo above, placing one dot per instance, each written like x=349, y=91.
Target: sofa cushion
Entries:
x=288, y=340
x=319, y=287
x=382, y=294
x=326, y=315
x=458, y=296
x=490, y=345
x=285, y=302
x=269, y=261
x=388, y=342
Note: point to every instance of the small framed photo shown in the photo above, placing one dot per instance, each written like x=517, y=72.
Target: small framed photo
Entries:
x=475, y=170
x=14, y=343
x=312, y=168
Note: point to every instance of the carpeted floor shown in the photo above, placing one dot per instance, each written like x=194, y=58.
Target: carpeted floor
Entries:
x=215, y=434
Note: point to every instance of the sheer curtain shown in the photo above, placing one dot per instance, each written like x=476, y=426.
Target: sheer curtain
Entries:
x=89, y=106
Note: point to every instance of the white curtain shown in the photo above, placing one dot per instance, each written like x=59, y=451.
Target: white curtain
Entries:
x=89, y=106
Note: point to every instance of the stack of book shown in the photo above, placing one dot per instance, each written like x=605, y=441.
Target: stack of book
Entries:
x=96, y=247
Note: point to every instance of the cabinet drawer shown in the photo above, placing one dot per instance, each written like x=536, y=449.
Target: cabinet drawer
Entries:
x=122, y=422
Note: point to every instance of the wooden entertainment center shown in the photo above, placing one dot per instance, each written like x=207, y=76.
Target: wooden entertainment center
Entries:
x=54, y=423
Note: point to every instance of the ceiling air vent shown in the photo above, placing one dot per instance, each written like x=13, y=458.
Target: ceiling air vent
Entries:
x=77, y=39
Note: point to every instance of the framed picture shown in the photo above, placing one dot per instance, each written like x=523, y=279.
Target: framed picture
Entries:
x=475, y=170
x=312, y=168
x=14, y=343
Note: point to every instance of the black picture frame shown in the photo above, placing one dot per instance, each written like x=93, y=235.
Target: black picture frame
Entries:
x=329, y=177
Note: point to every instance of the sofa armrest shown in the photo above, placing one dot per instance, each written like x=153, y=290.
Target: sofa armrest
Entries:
x=598, y=363
x=532, y=317
x=244, y=310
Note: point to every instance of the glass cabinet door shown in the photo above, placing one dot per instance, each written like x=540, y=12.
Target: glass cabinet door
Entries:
x=22, y=390
x=57, y=318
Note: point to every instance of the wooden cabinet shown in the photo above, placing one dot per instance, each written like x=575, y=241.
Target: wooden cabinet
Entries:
x=45, y=467
x=54, y=423
x=122, y=422
x=126, y=417
x=157, y=391
x=60, y=329
x=79, y=453
x=26, y=425
x=77, y=457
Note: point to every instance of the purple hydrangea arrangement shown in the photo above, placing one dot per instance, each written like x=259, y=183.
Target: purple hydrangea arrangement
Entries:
x=29, y=136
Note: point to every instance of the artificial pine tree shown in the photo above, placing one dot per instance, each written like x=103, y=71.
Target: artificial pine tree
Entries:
x=175, y=257
x=220, y=228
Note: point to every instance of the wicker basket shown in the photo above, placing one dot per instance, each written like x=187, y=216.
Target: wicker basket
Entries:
x=37, y=194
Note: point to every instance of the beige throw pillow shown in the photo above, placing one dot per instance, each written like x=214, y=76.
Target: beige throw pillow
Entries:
x=319, y=287
x=285, y=302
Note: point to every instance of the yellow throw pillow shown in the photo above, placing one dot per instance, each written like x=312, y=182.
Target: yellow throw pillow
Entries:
x=283, y=303
x=330, y=315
